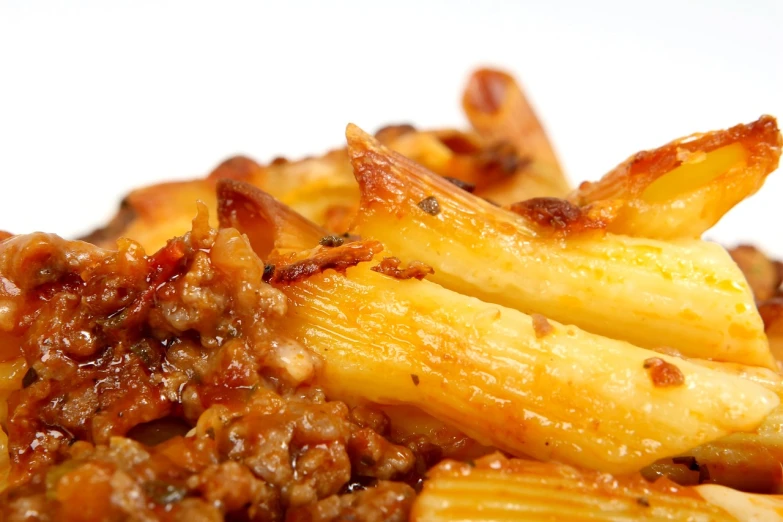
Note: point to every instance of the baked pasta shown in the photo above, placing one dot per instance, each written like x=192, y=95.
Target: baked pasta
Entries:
x=425, y=325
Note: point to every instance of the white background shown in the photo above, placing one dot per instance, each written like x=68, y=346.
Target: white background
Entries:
x=99, y=97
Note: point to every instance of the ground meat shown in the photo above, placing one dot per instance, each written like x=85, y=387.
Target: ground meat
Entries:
x=388, y=502
x=121, y=344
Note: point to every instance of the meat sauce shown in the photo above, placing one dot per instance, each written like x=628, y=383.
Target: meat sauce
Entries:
x=156, y=389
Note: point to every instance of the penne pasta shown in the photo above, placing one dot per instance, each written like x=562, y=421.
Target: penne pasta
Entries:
x=343, y=323
x=686, y=295
x=743, y=507
x=495, y=489
x=153, y=215
x=499, y=112
x=566, y=395
x=770, y=379
x=682, y=189
x=745, y=461
x=508, y=159
x=287, y=224
x=268, y=224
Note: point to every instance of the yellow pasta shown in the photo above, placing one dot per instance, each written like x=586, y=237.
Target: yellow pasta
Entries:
x=687, y=295
x=498, y=110
x=770, y=379
x=495, y=489
x=360, y=316
x=684, y=188
x=268, y=224
x=566, y=395
x=743, y=506
x=257, y=213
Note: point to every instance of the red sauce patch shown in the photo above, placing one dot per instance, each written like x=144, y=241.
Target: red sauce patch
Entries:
x=662, y=373
x=390, y=266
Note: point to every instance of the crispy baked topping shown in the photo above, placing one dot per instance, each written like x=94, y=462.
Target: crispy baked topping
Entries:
x=430, y=205
x=239, y=168
x=390, y=266
x=390, y=133
x=557, y=215
x=541, y=326
x=464, y=185
x=501, y=158
x=337, y=258
x=331, y=241
x=663, y=373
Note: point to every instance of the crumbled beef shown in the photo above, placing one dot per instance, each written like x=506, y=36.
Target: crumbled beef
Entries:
x=386, y=502
x=155, y=388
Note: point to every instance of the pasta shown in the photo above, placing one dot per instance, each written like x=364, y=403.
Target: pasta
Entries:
x=500, y=166
x=496, y=488
x=468, y=336
x=407, y=322
x=425, y=325
x=683, y=188
x=647, y=292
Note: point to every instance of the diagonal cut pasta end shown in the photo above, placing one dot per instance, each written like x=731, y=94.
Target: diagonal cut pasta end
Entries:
x=268, y=224
x=684, y=187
